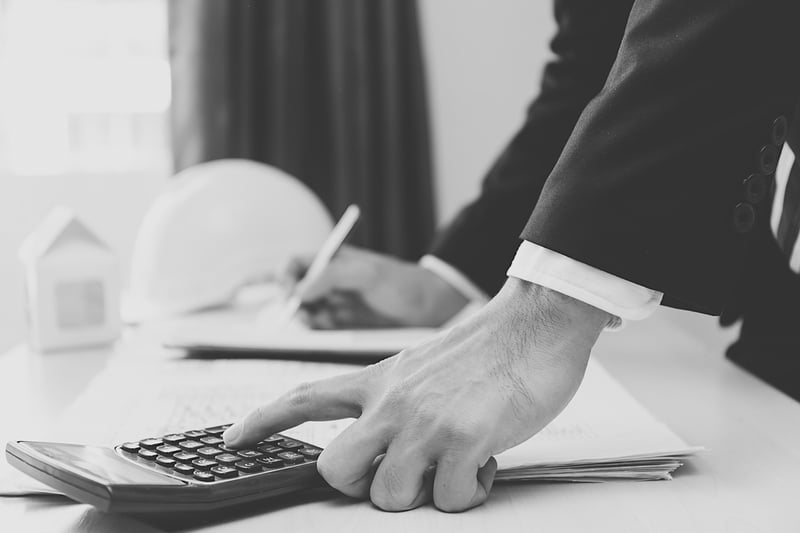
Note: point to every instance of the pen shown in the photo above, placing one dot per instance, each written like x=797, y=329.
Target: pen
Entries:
x=320, y=262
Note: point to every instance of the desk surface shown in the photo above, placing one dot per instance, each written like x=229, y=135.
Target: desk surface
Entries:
x=744, y=483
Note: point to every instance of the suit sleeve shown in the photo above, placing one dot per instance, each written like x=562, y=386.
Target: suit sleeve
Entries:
x=658, y=181
x=483, y=238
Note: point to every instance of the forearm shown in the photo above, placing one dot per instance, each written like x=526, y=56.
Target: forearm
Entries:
x=652, y=185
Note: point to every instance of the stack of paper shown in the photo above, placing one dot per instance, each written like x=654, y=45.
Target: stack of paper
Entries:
x=604, y=434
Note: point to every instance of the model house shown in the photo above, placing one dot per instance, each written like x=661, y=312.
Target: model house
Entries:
x=72, y=285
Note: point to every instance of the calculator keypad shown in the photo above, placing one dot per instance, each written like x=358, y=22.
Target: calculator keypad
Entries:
x=189, y=445
x=202, y=455
x=167, y=449
x=165, y=461
x=209, y=451
x=185, y=457
x=175, y=438
x=150, y=455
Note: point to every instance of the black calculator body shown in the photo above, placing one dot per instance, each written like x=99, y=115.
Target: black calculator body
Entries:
x=191, y=471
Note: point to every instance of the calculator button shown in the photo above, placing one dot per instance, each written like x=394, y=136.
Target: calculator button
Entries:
x=202, y=475
x=194, y=434
x=226, y=448
x=165, y=461
x=291, y=457
x=211, y=441
x=217, y=430
x=270, y=450
x=249, y=454
x=167, y=449
x=175, y=438
x=208, y=451
x=270, y=462
x=248, y=467
x=185, y=457
x=151, y=444
x=190, y=445
x=310, y=453
x=272, y=439
x=130, y=447
x=183, y=469
x=203, y=464
x=227, y=458
x=290, y=444
x=148, y=454
x=224, y=472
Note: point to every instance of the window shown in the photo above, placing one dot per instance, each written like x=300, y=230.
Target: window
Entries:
x=86, y=86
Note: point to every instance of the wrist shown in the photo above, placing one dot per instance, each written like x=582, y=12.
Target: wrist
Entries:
x=548, y=312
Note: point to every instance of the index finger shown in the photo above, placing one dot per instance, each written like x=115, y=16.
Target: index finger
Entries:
x=327, y=399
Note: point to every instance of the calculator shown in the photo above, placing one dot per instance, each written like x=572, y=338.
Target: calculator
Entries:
x=185, y=471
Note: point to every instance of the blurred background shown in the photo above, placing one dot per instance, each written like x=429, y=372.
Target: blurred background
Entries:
x=396, y=105
x=90, y=97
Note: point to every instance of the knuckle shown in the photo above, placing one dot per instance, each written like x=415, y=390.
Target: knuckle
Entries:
x=260, y=413
x=459, y=434
x=397, y=395
x=251, y=421
x=301, y=395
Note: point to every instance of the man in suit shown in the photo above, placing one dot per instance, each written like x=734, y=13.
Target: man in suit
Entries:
x=644, y=171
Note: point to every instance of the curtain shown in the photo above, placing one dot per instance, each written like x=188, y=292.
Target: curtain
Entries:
x=332, y=92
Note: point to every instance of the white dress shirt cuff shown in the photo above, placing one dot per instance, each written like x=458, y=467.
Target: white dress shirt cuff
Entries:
x=619, y=297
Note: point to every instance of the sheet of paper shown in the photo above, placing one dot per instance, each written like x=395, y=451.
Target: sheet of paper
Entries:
x=602, y=422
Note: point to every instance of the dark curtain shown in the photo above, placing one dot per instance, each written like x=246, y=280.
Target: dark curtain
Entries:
x=332, y=92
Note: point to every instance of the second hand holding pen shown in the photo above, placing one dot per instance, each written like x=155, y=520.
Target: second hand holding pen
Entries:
x=320, y=263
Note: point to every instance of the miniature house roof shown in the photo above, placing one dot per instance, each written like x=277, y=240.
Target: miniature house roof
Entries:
x=61, y=226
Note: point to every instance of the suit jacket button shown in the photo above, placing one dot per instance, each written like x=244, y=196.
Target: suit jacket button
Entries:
x=755, y=188
x=767, y=159
x=744, y=218
x=780, y=129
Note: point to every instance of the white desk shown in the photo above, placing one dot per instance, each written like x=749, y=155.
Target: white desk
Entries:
x=745, y=483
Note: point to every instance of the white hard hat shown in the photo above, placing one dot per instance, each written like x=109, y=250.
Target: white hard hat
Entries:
x=217, y=227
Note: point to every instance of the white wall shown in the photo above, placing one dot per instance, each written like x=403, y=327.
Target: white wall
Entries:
x=484, y=62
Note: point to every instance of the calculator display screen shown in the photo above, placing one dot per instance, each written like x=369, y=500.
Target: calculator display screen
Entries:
x=99, y=464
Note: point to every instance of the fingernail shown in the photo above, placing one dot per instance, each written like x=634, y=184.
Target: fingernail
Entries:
x=232, y=433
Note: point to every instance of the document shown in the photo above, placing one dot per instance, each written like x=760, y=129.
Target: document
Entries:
x=603, y=434
x=253, y=331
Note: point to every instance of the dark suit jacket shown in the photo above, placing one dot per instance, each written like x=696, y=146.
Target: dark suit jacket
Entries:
x=647, y=152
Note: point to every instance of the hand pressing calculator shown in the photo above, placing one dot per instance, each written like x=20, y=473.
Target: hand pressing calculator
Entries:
x=180, y=472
